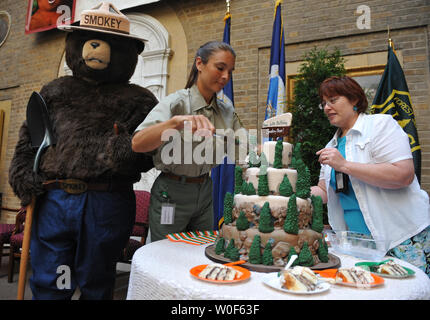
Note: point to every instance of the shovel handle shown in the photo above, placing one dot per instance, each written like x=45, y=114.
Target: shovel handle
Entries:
x=25, y=249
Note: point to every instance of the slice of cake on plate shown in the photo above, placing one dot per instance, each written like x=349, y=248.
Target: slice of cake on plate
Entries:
x=299, y=279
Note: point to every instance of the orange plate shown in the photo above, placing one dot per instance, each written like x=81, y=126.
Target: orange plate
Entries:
x=197, y=269
x=331, y=273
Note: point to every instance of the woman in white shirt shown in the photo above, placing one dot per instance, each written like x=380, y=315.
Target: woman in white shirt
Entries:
x=367, y=175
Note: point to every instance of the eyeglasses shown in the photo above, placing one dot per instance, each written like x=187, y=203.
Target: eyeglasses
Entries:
x=330, y=102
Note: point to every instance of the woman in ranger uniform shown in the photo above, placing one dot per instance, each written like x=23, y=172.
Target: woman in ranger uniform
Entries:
x=181, y=197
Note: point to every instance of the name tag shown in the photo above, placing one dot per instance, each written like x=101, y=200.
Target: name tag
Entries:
x=167, y=213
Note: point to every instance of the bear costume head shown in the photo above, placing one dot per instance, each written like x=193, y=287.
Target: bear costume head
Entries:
x=101, y=48
x=102, y=57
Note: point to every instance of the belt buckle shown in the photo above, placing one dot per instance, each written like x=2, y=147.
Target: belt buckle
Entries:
x=73, y=186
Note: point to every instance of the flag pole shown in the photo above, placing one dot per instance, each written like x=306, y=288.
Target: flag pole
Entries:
x=390, y=41
x=227, y=14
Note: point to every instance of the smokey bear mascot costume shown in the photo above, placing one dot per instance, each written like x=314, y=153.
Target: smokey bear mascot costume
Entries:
x=93, y=115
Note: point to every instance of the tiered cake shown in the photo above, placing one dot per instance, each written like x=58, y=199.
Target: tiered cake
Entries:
x=272, y=214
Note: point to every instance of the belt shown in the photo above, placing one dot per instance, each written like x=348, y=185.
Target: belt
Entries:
x=75, y=186
x=199, y=179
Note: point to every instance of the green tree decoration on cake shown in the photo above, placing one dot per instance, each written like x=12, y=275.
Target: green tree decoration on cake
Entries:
x=322, y=251
x=228, y=208
x=285, y=188
x=220, y=246
x=291, y=224
x=234, y=254
x=250, y=189
x=303, y=184
x=253, y=161
x=267, y=254
x=296, y=155
x=242, y=222
x=277, y=162
x=238, y=180
x=317, y=216
x=244, y=188
x=266, y=223
x=255, y=251
x=229, y=248
x=263, y=183
x=305, y=256
x=290, y=254
x=263, y=160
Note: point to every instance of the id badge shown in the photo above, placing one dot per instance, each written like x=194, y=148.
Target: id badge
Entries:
x=341, y=182
x=167, y=213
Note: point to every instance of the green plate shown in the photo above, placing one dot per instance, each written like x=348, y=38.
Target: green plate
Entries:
x=372, y=266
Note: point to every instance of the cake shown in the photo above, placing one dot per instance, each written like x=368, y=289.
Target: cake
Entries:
x=354, y=275
x=219, y=272
x=392, y=268
x=299, y=278
x=271, y=214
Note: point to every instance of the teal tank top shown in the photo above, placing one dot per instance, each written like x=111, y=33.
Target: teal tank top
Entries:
x=352, y=213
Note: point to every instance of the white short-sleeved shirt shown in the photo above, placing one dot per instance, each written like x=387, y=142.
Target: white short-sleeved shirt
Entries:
x=391, y=214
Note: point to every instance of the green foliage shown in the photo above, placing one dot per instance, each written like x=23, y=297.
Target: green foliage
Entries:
x=220, y=246
x=255, y=251
x=310, y=125
x=317, y=216
x=242, y=222
x=238, y=180
x=291, y=224
x=322, y=251
x=228, y=208
x=277, y=162
x=266, y=223
x=303, y=184
x=285, y=188
x=267, y=254
x=305, y=256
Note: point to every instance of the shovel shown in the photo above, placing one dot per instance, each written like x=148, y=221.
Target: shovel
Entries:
x=41, y=137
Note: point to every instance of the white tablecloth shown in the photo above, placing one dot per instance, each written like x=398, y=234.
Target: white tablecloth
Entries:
x=161, y=270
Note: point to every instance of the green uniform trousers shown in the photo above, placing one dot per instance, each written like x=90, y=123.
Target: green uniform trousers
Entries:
x=193, y=206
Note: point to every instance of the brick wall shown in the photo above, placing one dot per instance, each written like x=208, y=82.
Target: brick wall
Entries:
x=29, y=61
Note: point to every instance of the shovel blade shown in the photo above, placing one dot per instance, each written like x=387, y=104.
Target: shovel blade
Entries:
x=35, y=122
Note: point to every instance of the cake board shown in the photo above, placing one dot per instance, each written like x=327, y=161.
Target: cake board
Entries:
x=333, y=262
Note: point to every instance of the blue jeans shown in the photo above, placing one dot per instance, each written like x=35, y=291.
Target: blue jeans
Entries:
x=76, y=240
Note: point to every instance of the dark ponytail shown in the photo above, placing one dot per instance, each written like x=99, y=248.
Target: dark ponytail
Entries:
x=204, y=52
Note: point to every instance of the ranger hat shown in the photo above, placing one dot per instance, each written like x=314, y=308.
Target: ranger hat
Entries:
x=103, y=18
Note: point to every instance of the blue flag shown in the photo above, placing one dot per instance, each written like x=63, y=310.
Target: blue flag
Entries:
x=276, y=98
x=223, y=175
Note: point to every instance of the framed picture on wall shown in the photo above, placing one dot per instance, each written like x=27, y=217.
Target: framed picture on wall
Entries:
x=367, y=77
x=44, y=15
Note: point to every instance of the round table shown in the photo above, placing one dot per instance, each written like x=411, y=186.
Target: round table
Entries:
x=161, y=271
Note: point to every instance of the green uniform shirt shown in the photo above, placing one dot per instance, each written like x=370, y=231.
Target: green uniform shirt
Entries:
x=191, y=102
